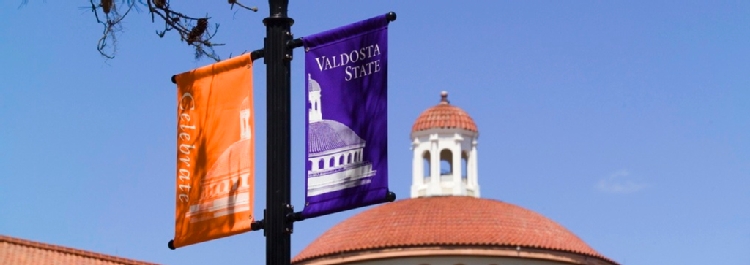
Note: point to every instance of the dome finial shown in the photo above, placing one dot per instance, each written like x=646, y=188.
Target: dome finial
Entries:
x=444, y=97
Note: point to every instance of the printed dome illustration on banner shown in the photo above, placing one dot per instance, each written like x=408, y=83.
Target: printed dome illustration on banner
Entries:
x=335, y=157
x=225, y=194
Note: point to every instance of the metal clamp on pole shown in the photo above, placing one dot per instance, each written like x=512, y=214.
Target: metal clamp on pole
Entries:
x=290, y=219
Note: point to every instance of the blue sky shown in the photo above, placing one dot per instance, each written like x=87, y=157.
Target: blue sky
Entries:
x=626, y=122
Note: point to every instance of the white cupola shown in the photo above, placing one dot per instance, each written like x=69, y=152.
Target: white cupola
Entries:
x=245, y=128
x=444, y=144
x=313, y=97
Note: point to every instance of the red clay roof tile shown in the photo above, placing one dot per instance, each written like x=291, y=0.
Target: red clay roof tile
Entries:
x=444, y=116
x=18, y=251
x=445, y=221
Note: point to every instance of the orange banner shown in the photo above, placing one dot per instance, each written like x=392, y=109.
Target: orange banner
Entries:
x=215, y=151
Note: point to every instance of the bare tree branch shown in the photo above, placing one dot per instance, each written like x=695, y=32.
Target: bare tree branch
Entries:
x=235, y=2
x=195, y=31
x=111, y=23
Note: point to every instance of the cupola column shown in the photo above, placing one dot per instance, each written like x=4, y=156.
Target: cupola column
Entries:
x=315, y=112
x=416, y=165
x=472, y=169
x=434, y=165
x=458, y=186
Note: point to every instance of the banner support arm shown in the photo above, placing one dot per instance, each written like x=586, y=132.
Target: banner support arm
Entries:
x=257, y=54
x=296, y=43
x=254, y=55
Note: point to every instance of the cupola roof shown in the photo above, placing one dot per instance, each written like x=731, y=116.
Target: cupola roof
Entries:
x=444, y=116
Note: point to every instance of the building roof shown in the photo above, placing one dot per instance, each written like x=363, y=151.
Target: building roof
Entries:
x=445, y=221
x=328, y=135
x=444, y=116
x=18, y=251
x=236, y=159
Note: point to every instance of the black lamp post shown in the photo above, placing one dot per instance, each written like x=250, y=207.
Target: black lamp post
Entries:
x=277, y=57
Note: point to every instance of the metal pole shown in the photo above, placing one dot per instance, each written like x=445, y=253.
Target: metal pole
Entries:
x=277, y=228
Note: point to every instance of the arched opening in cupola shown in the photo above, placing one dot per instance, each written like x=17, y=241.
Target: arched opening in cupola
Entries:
x=446, y=162
x=464, y=165
x=426, y=166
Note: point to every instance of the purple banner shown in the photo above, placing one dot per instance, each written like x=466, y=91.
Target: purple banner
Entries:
x=346, y=131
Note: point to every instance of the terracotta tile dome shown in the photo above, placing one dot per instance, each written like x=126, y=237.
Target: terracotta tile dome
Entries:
x=445, y=221
x=444, y=116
